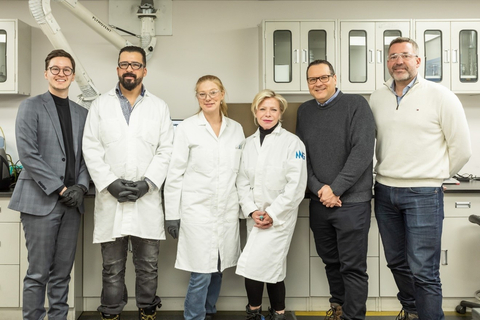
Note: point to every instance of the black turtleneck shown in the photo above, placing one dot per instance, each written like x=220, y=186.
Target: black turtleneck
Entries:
x=264, y=132
x=63, y=110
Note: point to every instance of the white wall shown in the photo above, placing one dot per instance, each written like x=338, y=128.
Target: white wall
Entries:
x=215, y=37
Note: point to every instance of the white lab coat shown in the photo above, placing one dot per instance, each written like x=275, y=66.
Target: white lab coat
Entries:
x=272, y=178
x=114, y=149
x=200, y=191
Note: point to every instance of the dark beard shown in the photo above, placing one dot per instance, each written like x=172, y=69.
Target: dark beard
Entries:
x=129, y=85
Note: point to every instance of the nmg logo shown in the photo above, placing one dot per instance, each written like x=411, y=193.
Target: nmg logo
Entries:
x=300, y=155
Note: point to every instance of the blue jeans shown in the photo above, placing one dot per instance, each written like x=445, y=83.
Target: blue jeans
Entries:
x=410, y=222
x=202, y=295
x=145, y=257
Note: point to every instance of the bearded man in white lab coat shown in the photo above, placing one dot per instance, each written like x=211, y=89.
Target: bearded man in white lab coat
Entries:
x=127, y=146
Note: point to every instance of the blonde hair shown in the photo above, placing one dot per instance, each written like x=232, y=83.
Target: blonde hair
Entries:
x=265, y=94
x=218, y=82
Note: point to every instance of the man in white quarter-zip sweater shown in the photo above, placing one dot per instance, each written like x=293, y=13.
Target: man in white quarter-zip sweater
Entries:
x=422, y=139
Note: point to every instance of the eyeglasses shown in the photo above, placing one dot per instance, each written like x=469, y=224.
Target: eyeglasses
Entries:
x=405, y=56
x=212, y=94
x=56, y=70
x=323, y=79
x=135, y=65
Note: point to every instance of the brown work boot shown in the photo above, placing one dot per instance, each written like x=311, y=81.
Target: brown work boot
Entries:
x=405, y=315
x=335, y=312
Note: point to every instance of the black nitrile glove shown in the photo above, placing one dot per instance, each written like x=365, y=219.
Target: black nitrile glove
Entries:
x=73, y=196
x=173, y=227
x=142, y=186
x=121, y=189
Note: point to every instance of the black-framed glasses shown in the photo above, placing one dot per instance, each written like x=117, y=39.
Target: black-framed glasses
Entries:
x=405, y=56
x=135, y=65
x=56, y=70
x=212, y=94
x=323, y=79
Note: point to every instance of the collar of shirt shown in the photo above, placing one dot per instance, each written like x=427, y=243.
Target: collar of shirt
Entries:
x=125, y=104
x=329, y=100
x=405, y=90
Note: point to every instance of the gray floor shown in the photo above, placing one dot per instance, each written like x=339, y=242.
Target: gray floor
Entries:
x=238, y=315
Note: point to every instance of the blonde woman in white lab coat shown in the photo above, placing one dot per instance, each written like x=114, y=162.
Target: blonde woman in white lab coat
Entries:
x=201, y=198
x=271, y=184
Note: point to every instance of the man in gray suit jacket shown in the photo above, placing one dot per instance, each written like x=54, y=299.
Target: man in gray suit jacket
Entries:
x=49, y=191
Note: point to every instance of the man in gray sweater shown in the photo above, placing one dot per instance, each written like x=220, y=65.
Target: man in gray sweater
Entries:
x=338, y=131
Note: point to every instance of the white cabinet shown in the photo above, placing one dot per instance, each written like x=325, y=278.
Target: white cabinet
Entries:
x=449, y=52
x=14, y=57
x=9, y=255
x=287, y=49
x=364, y=51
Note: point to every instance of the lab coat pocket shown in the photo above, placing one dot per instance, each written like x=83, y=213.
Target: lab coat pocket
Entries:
x=110, y=131
x=149, y=131
x=275, y=178
x=202, y=159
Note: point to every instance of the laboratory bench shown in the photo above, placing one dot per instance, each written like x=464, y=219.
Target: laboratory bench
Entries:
x=306, y=283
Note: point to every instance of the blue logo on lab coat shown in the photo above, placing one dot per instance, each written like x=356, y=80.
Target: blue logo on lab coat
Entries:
x=300, y=155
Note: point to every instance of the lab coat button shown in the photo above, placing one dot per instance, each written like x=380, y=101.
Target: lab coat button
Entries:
x=63, y=159
x=61, y=177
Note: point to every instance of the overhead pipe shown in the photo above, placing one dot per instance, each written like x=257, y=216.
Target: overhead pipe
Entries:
x=42, y=13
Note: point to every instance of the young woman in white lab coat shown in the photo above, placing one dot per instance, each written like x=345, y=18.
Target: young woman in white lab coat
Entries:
x=271, y=184
x=201, y=199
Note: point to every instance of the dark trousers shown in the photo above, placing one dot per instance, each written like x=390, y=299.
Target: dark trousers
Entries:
x=51, y=243
x=145, y=259
x=341, y=239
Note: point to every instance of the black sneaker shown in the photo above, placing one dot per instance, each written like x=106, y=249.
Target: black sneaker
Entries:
x=254, y=314
x=209, y=316
x=405, y=315
x=335, y=312
x=273, y=315
x=108, y=316
x=147, y=313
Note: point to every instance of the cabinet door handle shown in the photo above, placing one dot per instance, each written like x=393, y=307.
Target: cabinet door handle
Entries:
x=379, y=56
x=447, y=56
x=370, y=56
x=305, y=60
x=454, y=56
x=296, y=55
x=444, y=258
x=463, y=204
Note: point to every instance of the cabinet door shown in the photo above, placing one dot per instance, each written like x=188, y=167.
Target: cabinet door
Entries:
x=7, y=56
x=385, y=32
x=460, y=258
x=317, y=42
x=9, y=288
x=282, y=56
x=9, y=243
x=464, y=66
x=433, y=39
x=357, y=47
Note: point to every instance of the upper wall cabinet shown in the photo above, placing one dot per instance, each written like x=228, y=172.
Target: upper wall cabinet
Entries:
x=449, y=52
x=364, y=50
x=14, y=57
x=287, y=49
